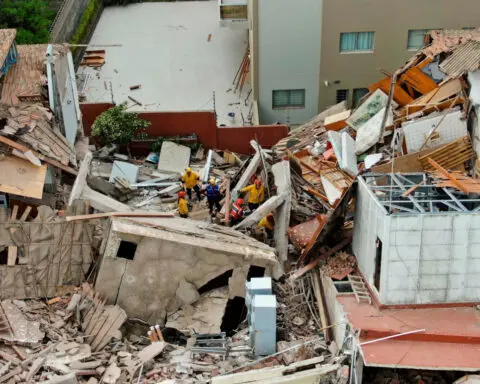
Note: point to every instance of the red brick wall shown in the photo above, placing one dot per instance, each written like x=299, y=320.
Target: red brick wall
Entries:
x=202, y=123
x=237, y=139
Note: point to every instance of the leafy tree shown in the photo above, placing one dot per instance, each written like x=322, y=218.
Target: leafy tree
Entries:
x=117, y=126
x=31, y=18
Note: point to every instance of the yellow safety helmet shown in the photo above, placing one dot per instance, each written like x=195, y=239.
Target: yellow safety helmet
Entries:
x=212, y=180
x=188, y=169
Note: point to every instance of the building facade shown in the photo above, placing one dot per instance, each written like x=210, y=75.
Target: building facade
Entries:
x=309, y=54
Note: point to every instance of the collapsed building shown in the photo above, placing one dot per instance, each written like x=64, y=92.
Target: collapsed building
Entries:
x=373, y=256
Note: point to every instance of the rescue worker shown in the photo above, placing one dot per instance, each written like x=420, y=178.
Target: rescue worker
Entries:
x=213, y=196
x=182, y=204
x=267, y=224
x=236, y=214
x=256, y=194
x=190, y=181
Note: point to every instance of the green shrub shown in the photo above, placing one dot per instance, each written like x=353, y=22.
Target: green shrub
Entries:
x=85, y=23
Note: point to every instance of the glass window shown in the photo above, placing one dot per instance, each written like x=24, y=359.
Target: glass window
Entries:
x=416, y=38
x=356, y=41
x=342, y=94
x=288, y=98
x=358, y=93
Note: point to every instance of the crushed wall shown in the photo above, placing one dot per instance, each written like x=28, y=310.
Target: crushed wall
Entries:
x=55, y=253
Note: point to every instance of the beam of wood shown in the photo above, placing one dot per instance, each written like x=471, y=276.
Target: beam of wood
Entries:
x=117, y=214
x=81, y=180
x=412, y=189
x=322, y=256
x=447, y=175
x=48, y=160
x=26, y=213
x=263, y=210
x=12, y=255
x=251, y=169
x=282, y=177
x=226, y=206
x=14, y=213
x=319, y=299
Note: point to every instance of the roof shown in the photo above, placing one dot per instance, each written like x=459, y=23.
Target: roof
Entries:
x=451, y=340
x=7, y=37
x=198, y=234
x=447, y=40
x=463, y=59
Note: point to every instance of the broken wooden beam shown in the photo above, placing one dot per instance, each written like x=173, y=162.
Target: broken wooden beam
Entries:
x=263, y=210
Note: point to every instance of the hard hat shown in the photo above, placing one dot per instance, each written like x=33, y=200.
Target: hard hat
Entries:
x=211, y=181
x=239, y=201
x=270, y=218
x=258, y=182
x=188, y=169
x=182, y=194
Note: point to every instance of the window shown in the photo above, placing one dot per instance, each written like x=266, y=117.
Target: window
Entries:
x=288, y=98
x=416, y=38
x=358, y=93
x=127, y=250
x=342, y=94
x=468, y=28
x=356, y=41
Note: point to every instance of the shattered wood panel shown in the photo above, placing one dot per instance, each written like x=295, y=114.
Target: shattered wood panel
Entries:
x=20, y=177
x=305, y=233
x=399, y=95
x=450, y=155
x=418, y=80
x=55, y=253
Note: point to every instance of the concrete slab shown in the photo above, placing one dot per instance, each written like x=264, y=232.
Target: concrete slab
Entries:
x=174, y=158
x=349, y=159
x=124, y=170
x=165, y=49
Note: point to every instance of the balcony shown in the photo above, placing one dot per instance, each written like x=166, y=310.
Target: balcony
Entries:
x=233, y=13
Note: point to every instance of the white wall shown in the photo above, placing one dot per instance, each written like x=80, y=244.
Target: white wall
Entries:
x=427, y=258
x=433, y=258
x=371, y=221
x=289, y=39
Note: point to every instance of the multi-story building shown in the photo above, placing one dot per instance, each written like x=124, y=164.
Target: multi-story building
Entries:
x=309, y=54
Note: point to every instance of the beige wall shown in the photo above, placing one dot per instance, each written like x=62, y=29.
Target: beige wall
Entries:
x=390, y=20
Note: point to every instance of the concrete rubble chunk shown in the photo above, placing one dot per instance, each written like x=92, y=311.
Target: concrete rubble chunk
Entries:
x=124, y=170
x=112, y=374
x=174, y=158
x=64, y=379
x=187, y=293
x=151, y=351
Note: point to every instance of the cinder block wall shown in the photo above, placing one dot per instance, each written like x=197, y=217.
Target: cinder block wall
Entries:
x=426, y=258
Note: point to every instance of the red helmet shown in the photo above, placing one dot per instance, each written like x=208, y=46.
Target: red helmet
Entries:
x=239, y=201
x=258, y=182
x=182, y=194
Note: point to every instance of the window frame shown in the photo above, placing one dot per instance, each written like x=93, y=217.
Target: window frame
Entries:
x=356, y=50
x=347, y=94
x=289, y=105
x=417, y=30
x=360, y=98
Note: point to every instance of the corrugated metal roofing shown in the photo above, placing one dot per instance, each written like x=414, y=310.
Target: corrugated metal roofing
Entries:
x=465, y=58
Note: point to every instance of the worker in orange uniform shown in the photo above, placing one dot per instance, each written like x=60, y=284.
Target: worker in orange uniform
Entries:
x=256, y=194
x=267, y=224
x=236, y=213
x=182, y=204
x=190, y=181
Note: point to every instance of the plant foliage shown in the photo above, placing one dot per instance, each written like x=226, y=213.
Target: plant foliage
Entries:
x=117, y=126
x=31, y=18
x=126, y=2
x=85, y=22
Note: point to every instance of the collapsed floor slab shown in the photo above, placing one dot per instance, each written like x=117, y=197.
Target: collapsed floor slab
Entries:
x=145, y=261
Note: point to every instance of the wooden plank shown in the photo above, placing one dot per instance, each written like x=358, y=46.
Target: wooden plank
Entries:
x=94, y=216
x=418, y=80
x=412, y=189
x=26, y=213
x=450, y=155
x=447, y=175
x=20, y=177
x=404, y=164
x=12, y=255
x=14, y=213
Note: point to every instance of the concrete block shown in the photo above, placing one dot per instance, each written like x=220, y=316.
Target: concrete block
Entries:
x=406, y=223
x=435, y=252
x=472, y=281
x=402, y=268
x=456, y=281
x=408, y=283
x=435, y=267
x=257, y=286
x=459, y=267
x=186, y=292
x=65, y=379
x=438, y=222
x=401, y=237
x=398, y=297
x=437, y=236
x=460, y=236
x=174, y=158
x=460, y=251
x=457, y=295
x=433, y=282
x=124, y=170
x=405, y=252
x=265, y=342
x=264, y=312
x=431, y=296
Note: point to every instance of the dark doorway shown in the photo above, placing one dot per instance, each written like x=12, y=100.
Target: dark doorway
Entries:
x=378, y=264
x=218, y=282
